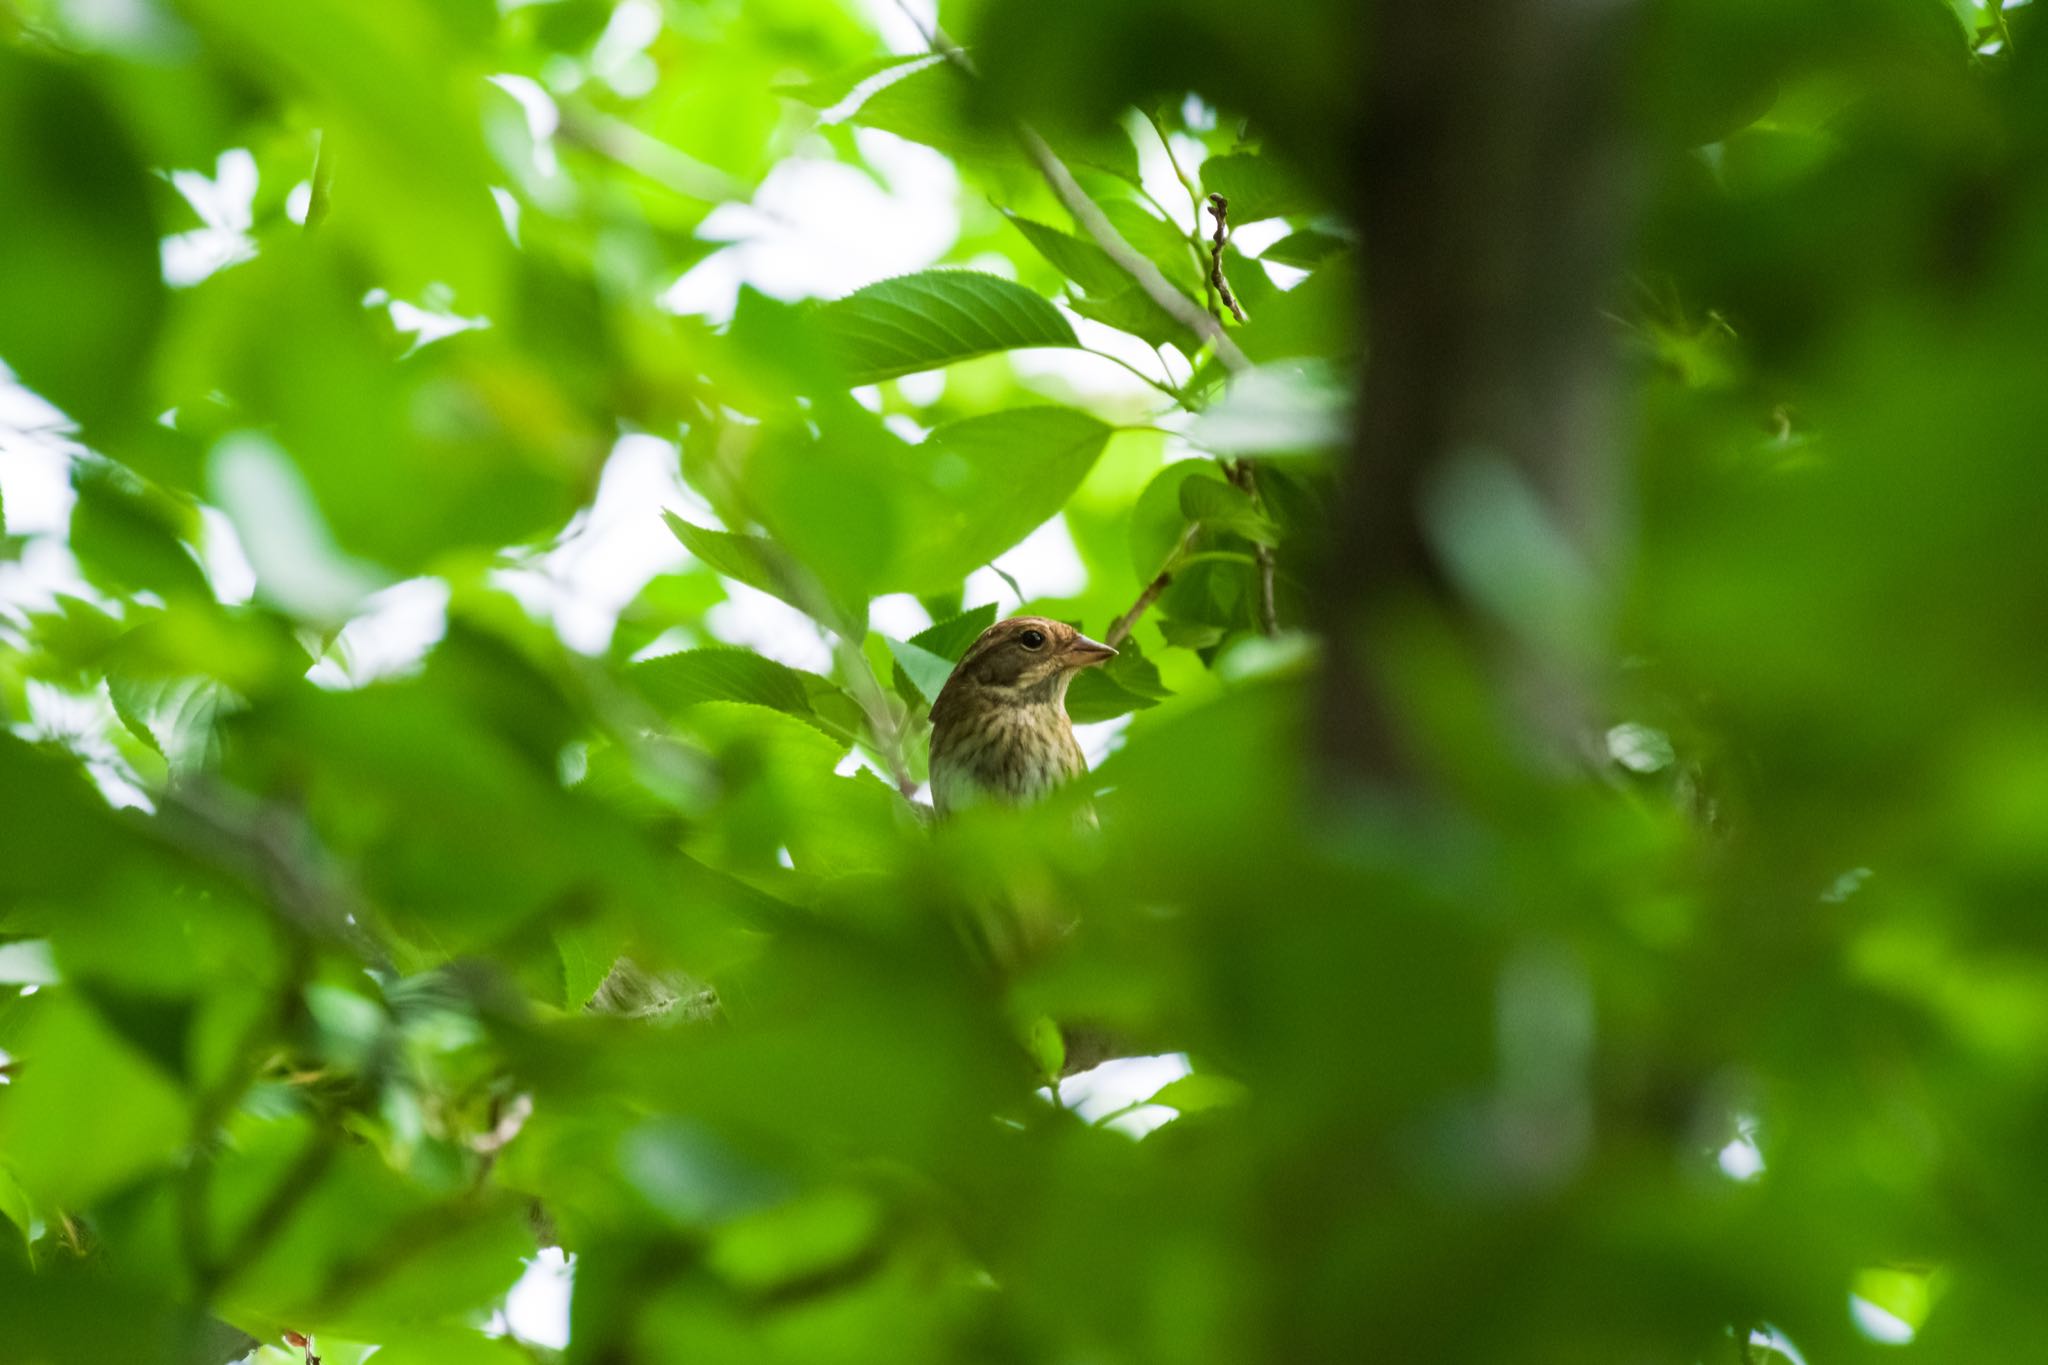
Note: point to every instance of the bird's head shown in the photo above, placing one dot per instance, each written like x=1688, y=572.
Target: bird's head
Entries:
x=1026, y=660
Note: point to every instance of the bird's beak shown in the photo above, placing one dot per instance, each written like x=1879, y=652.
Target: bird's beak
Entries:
x=1086, y=653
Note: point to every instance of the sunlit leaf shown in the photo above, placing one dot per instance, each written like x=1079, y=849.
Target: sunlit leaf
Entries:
x=928, y=320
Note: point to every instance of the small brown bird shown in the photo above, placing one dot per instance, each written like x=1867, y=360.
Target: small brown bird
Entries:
x=1000, y=731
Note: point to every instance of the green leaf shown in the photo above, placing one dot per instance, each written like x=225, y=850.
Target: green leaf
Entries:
x=1129, y=682
x=1306, y=249
x=82, y=290
x=762, y=564
x=974, y=488
x=177, y=717
x=1158, y=525
x=1287, y=408
x=126, y=535
x=70, y=1140
x=675, y=681
x=27, y=962
x=1138, y=313
x=950, y=638
x=1256, y=188
x=932, y=319
x=927, y=671
x=1165, y=244
x=1048, y=1047
x=826, y=91
x=934, y=105
x=947, y=640
x=1190, y=634
x=450, y=1346
x=15, y=1205
x=1079, y=259
x=1198, y=1091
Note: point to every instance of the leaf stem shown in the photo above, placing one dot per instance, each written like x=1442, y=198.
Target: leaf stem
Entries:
x=882, y=721
x=1167, y=389
x=1194, y=202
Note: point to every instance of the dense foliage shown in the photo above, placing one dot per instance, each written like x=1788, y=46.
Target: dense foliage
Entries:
x=1596, y=887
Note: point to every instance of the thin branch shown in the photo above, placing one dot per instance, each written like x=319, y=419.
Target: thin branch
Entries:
x=1120, y=629
x=1220, y=207
x=1089, y=217
x=661, y=162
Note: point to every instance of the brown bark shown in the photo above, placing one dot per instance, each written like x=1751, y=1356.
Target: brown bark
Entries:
x=1492, y=195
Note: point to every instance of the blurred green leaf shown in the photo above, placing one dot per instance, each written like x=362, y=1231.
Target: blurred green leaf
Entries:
x=1306, y=249
x=1256, y=187
x=82, y=295
x=760, y=563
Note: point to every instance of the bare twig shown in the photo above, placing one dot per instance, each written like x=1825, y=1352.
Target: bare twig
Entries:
x=1120, y=629
x=1220, y=208
x=1089, y=217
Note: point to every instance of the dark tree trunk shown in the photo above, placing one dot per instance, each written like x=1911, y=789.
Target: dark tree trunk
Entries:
x=1492, y=192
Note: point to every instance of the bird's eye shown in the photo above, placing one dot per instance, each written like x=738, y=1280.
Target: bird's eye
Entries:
x=1032, y=639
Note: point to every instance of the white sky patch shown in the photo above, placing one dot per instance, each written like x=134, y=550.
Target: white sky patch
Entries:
x=922, y=389
x=428, y=321
x=1878, y=1324
x=27, y=419
x=898, y=614
x=620, y=543
x=35, y=485
x=1121, y=1084
x=508, y=211
x=1103, y=738
x=620, y=58
x=537, y=1309
x=1091, y=377
x=1741, y=1159
x=1253, y=238
x=35, y=482
x=543, y=120
x=226, y=208
x=1772, y=1339
x=82, y=724
x=1046, y=564
x=897, y=30
x=398, y=627
x=297, y=563
x=818, y=228
x=770, y=627
x=227, y=566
